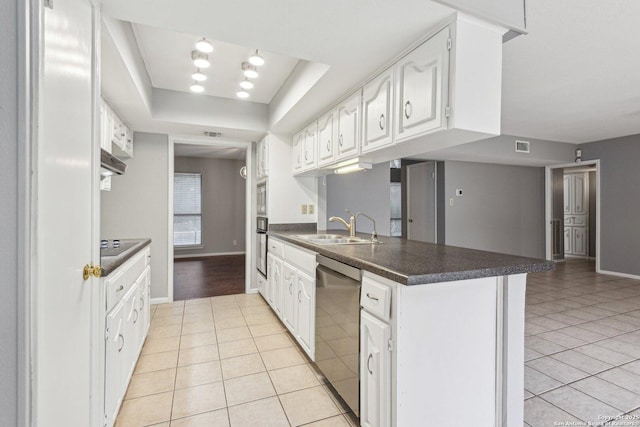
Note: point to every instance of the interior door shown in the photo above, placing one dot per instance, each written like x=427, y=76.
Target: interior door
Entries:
x=66, y=221
x=421, y=202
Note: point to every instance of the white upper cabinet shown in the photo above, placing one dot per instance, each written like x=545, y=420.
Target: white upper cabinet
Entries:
x=422, y=79
x=377, y=112
x=310, y=146
x=296, y=153
x=326, y=138
x=262, y=158
x=115, y=136
x=348, y=124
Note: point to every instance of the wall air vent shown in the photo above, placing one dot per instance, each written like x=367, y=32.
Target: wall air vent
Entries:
x=522, y=146
x=212, y=134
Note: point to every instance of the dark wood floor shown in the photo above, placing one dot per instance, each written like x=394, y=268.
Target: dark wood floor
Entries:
x=208, y=276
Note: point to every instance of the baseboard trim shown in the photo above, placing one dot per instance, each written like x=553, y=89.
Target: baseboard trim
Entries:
x=208, y=254
x=162, y=300
x=615, y=273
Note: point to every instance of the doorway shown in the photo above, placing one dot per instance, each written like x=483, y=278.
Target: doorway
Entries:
x=572, y=212
x=422, y=206
x=210, y=199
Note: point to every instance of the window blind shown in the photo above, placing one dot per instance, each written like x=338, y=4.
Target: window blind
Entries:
x=187, y=209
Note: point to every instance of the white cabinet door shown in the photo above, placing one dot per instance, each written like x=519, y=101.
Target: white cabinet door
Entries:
x=579, y=238
x=579, y=196
x=275, y=283
x=377, y=97
x=289, y=303
x=296, y=153
x=348, y=124
x=326, y=138
x=568, y=194
x=421, y=82
x=306, y=316
x=114, y=364
x=375, y=372
x=310, y=146
x=262, y=158
x=568, y=240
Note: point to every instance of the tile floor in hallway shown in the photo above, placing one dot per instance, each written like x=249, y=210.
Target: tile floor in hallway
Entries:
x=582, y=348
x=225, y=361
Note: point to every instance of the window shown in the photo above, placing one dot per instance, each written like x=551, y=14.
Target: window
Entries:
x=187, y=209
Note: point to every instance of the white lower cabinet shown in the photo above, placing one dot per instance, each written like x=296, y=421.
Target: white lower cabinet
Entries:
x=292, y=278
x=127, y=296
x=375, y=372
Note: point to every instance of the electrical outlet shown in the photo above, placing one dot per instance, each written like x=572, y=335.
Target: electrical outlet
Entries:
x=303, y=209
x=310, y=209
x=235, y=243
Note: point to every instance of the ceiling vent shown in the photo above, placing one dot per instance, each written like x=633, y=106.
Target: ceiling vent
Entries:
x=522, y=147
x=212, y=134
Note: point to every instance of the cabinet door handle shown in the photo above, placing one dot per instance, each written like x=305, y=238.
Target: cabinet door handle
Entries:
x=122, y=346
x=372, y=298
x=340, y=140
x=369, y=363
x=329, y=146
x=120, y=288
x=407, y=109
x=136, y=319
x=299, y=299
x=306, y=155
x=290, y=288
x=381, y=122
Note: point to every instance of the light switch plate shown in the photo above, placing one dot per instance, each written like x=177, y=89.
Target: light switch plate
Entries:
x=311, y=208
x=303, y=209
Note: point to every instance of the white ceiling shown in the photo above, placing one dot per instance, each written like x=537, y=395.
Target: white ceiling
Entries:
x=209, y=151
x=573, y=78
x=170, y=67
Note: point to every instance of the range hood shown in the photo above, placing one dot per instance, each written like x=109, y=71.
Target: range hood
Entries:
x=111, y=162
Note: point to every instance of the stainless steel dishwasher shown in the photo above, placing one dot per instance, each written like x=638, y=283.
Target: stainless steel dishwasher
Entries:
x=338, y=328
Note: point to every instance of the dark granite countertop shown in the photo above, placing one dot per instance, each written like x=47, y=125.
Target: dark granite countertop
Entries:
x=110, y=263
x=415, y=263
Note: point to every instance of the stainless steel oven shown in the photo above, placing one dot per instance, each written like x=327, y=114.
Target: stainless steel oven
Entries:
x=261, y=198
x=262, y=224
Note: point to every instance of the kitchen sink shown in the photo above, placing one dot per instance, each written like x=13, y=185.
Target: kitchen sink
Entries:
x=333, y=239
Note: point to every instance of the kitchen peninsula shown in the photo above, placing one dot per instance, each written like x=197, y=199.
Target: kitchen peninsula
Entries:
x=441, y=328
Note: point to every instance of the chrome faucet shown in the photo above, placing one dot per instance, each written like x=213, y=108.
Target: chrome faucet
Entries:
x=351, y=226
x=374, y=234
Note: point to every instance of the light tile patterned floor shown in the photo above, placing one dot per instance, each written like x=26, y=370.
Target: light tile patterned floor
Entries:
x=582, y=348
x=225, y=361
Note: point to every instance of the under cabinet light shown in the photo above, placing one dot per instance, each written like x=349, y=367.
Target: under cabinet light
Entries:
x=353, y=168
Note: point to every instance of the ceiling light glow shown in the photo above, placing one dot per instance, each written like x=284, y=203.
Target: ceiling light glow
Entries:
x=200, y=60
x=196, y=87
x=204, y=46
x=249, y=70
x=256, y=59
x=246, y=84
x=243, y=94
x=199, y=76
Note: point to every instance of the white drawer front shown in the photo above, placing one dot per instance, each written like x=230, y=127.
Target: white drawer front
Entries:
x=125, y=276
x=305, y=261
x=376, y=298
x=276, y=247
x=579, y=220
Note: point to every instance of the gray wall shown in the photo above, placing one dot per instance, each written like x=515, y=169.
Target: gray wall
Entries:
x=620, y=202
x=137, y=205
x=501, y=210
x=592, y=214
x=367, y=192
x=9, y=368
x=223, y=204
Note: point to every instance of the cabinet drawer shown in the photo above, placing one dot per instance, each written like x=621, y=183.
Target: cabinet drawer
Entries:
x=376, y=298
x=276, y=247
x=305, y=261
x=579, y=220
x=124, y=278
